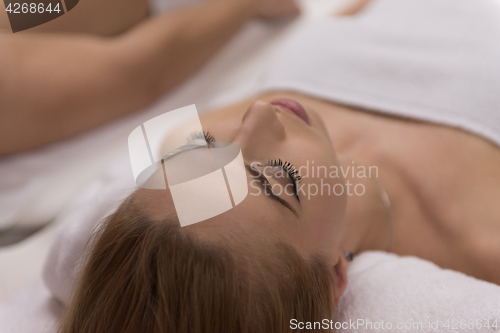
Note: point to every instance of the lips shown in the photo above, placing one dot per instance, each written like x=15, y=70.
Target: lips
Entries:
x=292, y=107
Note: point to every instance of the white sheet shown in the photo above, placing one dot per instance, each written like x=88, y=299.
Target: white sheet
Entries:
x=32, y=310
x=430, y=60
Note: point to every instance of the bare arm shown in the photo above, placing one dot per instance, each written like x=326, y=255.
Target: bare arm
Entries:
x=53, y=85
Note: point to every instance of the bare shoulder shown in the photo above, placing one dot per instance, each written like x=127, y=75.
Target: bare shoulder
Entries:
x=454, y=177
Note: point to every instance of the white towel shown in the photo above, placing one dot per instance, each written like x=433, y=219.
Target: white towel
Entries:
x=33, y=310
x=79, y=221
x=431, y=60
x=411, y=292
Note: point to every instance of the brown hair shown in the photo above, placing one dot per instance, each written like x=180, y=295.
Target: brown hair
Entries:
x=152, y=276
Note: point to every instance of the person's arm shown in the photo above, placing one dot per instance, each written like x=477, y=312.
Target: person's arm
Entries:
x=53, y=85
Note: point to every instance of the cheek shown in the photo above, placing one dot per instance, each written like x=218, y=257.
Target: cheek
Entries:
x=327, y=200
x=329, y=219
x=335, y=199
x=322, y=235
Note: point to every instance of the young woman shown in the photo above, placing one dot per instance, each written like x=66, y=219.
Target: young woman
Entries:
x=282, y=256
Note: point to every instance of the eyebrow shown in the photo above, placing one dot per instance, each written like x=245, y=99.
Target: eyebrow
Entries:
x=262, y=180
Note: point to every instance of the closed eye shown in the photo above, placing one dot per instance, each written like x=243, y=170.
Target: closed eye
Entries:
x=266, y=186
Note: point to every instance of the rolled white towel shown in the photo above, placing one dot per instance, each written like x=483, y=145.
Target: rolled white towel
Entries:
x=417, y=295
x=80, y=218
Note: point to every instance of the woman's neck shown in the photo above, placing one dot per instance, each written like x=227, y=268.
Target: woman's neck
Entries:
x=369, y=224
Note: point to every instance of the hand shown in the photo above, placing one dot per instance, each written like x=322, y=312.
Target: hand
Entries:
x=274, y=9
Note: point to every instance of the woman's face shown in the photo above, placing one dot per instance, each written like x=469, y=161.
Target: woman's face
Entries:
x=308, y=214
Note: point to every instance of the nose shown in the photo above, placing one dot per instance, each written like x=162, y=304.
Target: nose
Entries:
x=261, y=130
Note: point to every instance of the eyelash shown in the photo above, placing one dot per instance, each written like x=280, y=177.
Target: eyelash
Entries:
x=201, y=135
x=292, y=171
x=208, y=137
x=288, y=167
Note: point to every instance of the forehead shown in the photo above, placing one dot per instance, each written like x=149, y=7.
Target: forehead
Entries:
x=256, y=219
x=204, y=181
x=255, y=211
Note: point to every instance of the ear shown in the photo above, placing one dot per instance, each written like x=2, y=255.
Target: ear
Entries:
x=340, y=270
